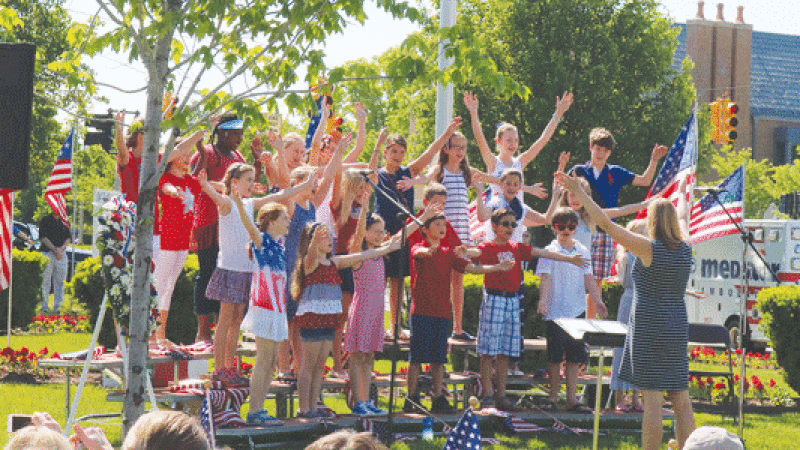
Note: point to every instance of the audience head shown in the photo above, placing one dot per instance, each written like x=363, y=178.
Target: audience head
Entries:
x=712, y=438
x=166, y=430
x=347, y=440
x=35, y=437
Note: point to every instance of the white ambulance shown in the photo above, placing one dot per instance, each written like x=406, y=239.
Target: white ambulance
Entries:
x=717, y=271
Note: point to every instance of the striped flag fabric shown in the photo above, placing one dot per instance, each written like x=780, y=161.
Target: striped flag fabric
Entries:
x=707, y=218
x=207, y=421
x=6, y=227
x=517, y=425
x=61, y=179
x=679, y=164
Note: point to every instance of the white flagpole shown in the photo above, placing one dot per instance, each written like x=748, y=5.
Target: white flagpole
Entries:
x=696, y=133
x=10, y=274
x=74, y=198
x=743, y=307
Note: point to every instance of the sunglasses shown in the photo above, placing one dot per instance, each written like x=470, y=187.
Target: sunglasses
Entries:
x=564, y=226
x=508, y=224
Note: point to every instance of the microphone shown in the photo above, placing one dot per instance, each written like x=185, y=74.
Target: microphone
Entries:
x=365, y=172
x=709, y=189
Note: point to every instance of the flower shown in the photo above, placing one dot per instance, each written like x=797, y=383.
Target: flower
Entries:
x=44, y=351
x=119, y=261
x=772, y=383
x=719, y=386
x=7, y=352
x=108, y=260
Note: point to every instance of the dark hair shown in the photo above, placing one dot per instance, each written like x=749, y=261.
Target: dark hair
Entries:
x=224, y=118
x=463, y=165
x=130, y=141
x=498, y=215
x=430, y=220
x=434, y=189
x=299, y=273
x=602, y=137
x=395, y=138
x=565, y=215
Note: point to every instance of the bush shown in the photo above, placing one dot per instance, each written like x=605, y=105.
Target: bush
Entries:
x=26, y=286
x=88, y=289
x=780, y=320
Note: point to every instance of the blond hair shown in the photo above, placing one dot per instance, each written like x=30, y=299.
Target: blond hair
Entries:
x=582, y=213
x=662, y=221
x=39, y=437
x=351, y=181
x=235, y=170
x=504, y=128
x=166, y=430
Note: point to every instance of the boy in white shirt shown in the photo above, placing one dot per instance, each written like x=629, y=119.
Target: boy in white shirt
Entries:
x=562, y=296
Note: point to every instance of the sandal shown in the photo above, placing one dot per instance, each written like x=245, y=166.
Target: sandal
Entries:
x=580, y=408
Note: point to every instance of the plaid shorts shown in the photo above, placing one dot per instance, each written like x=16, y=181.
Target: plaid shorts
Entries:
x=602, y=254
x=499, y=328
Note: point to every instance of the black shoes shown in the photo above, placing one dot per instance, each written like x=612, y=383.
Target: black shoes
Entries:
x=440, y=405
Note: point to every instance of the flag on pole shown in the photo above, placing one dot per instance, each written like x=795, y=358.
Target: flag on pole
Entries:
x=6, y=226
x=708, y=220
x=466, y=434
x=679, y=164
x=61, y=180
x=207, y=421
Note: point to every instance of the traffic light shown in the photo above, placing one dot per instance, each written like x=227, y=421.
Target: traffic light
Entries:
x=716, y=120
x=104, y=136
x=729, y=121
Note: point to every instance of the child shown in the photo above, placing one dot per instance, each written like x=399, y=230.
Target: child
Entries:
x=562, y=290
x=231, y=280
x=606, y=180
x=507, y=141
x=499, y=329
x=511, y=183
x=317, y=286
x=389, y=176
x=431, y=315
x=266, y=316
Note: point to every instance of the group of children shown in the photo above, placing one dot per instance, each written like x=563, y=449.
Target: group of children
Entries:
x=308, y=277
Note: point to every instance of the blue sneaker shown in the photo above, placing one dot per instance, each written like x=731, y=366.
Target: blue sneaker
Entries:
x=262, y=419
x=362, y=409
x=375, y=410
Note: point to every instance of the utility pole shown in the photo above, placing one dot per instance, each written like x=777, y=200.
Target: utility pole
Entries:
x=444, y=94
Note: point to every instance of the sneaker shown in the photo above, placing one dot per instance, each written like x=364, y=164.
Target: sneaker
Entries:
x=440, y=405
x=517, y=373
x=410, y=406
x=262, y=419
x=361, y=409
x=338, y=374
x=463, y=336
x=375, y=410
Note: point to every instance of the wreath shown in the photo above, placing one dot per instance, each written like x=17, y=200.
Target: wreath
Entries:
x=116, y=244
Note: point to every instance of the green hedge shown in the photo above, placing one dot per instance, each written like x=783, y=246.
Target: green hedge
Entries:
x=780, y=320
x=26, y=286
x=87, y=288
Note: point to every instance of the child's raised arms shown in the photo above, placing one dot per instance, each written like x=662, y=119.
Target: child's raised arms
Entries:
x=342, y=261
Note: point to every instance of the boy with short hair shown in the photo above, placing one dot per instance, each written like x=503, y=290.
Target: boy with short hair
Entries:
x=606, y=180
x=561, y=291
x=511, y=185
x=431, y=312
x=499, y=329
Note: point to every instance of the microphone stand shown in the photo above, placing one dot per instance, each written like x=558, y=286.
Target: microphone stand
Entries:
x=394, y=349
x=747, y=243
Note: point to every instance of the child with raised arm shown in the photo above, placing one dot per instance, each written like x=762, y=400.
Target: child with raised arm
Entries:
x=317, y=286
x=266, y=315
x=431, y=313
x=562, y=291
x=499, y=328
x=507, y=141
x=511, y=183
x=605, y=181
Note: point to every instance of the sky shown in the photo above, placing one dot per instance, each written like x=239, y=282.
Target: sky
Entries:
x=380, y=32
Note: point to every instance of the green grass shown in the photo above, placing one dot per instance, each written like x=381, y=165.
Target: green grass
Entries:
x=780, y=431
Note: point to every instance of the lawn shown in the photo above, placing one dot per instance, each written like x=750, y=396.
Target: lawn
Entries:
x=773, y=431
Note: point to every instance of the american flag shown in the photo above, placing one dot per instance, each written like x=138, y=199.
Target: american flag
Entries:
x=61, y=180
x=517, y=425
x=207, y=422
x=708, y=220
x=466, y=434
x=679, y=164
x=477, y=228
x=6, y=226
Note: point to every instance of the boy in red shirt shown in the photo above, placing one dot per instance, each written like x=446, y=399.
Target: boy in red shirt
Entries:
x=431, y=311
x=499, y=328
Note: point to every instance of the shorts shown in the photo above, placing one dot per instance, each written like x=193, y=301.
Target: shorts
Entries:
x=317, y=334
x=346, y=275
x=397, y=263
x=602, y=254
x=429, y=339
x=559, y=344
x=229, y=286
x=499, y=327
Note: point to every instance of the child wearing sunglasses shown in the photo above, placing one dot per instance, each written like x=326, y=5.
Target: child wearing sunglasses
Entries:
x=499, y=326
x=561, y=296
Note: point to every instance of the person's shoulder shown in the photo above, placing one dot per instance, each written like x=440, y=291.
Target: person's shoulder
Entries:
x=580, y=247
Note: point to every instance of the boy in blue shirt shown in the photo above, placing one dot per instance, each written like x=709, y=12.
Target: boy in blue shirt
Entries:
x=606, y=180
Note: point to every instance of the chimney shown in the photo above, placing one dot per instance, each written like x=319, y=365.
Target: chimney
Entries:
x=700, y=6
x=720, y=16
x=740, y=14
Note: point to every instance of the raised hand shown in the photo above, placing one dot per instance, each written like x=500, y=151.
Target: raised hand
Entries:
x=471, y=102
x=275, y=140
x=430, y=211
x=659, y=151
x=563, y=159
x=563, y=103
x=256, y=147
x=93, y=438
x=571, y=183
x=537, y=190
x=361, y=112
x=119, y=118
x=213, y=121
x=382, y=137
x=344, y=142
x=454, y=124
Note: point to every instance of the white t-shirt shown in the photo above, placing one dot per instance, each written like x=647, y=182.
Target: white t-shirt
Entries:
x=569, y=291
x=234, y=239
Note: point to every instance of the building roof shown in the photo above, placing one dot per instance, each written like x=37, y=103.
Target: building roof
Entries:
x=774, y=73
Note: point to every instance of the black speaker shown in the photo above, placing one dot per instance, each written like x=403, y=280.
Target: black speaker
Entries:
x=16, y=111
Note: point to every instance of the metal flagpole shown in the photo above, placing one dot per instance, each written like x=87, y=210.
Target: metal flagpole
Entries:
x=747, y=240
x=74, y=202
x=10, y=273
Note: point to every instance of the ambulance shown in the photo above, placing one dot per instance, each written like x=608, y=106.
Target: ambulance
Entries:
x=717, y=271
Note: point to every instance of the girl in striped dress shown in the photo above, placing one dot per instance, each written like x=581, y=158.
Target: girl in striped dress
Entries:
x=266, y=316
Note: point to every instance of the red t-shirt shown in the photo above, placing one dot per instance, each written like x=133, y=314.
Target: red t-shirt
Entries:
x=451, y=239
x=205, y=211
x=129, y=177
x=176, y=214
x=346, y=231
x=430, y=281
x=492, y=253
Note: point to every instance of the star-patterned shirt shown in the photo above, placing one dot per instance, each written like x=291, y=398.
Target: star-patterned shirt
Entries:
x=177, y=214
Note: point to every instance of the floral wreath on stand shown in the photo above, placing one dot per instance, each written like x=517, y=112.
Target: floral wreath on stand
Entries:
x=116, y=244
